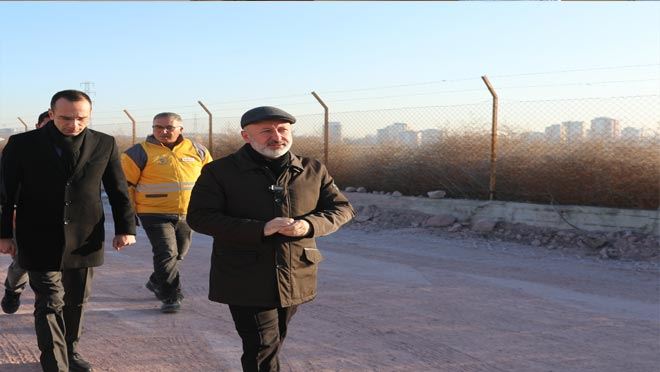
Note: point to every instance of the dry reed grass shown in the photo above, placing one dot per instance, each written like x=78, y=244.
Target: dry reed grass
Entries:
x=605, y=174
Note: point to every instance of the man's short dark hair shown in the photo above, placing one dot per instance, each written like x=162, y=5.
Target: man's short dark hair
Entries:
x=71, y=95
x=42, y=116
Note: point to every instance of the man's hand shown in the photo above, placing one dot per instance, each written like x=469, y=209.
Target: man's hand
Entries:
x=120, y=241
x=276, y=224
x=297, y=229
x=7, y=246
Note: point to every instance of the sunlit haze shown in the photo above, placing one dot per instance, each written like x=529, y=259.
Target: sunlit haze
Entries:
x=148, y=57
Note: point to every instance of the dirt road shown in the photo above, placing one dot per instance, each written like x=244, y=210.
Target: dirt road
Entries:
x=401, y=300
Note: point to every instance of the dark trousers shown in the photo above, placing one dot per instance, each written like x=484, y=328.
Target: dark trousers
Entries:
x=262, y=331
x=58, y=313
x=17, y=277
x=170, y=237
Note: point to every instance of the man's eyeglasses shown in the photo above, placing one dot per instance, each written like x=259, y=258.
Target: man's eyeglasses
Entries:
x=169, y=128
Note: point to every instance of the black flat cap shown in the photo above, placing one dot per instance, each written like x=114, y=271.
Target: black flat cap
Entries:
x=262, y=113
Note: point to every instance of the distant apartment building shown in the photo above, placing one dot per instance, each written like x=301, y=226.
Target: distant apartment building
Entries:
x=431, y=136
x=334, y=132
x=575, y=130
x=555, y=133
x=7, y=132
x=604, y=128
x=410, y=138
x=391, y=133
x=532, y=136
x=630, y=133
x=366, y=140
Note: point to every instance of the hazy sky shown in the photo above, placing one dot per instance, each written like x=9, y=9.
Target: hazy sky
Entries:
x=149, y=57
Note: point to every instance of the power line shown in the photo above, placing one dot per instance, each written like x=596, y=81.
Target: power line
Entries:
x=583, y=99
x=402, y=85
x=214, y=103
x=147, y=109
x=504, y=87
x=410, y=95
x=578, y=84
x=87, y=85
x=259, y=99
x=479, y=78
x=577, y=70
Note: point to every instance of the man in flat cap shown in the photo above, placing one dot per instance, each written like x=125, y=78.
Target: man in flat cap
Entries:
x=264, y=206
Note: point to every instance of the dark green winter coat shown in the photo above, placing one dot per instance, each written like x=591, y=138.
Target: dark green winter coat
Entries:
x=233, y=199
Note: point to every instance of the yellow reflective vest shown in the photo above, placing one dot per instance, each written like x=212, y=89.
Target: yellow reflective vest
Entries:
x=160, y=179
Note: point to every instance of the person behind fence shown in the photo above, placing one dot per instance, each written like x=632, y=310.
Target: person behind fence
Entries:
x=264, y=206
x=161, y=172
x=17, y=277
x=52, y=178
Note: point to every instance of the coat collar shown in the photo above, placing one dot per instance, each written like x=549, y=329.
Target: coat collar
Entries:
x=86, y=150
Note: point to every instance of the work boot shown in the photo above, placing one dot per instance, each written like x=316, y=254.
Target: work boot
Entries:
x=78, y=364
x=10, y=302
x=171, y=306
x=154, y=288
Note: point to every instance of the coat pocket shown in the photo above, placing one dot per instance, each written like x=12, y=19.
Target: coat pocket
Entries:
x=311, y=255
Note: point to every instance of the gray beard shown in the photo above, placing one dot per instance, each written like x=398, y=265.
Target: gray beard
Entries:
x=272, y=154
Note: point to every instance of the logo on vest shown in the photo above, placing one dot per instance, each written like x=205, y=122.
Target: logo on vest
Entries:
x=161, y=160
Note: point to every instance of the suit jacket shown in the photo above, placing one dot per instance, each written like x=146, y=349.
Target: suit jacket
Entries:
x=59, y=219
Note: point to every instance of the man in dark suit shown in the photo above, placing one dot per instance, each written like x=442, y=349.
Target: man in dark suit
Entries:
x=52, y=177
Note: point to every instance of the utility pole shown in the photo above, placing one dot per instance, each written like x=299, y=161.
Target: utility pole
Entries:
x=195, y=124
x=87, y=88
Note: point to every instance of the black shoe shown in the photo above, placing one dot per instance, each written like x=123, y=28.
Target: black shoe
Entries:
x=171, y=306
x=78, y=364
x=11, y=302
x=154, y=288
x=179, y=295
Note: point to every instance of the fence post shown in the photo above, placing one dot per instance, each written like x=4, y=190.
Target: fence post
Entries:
x=210, y=127
x=325, y=129
x=22, y=122
x=133, y=124
x=493, y=139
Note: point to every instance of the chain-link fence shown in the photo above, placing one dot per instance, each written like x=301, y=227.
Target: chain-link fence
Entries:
x=413, y=150
x=600, y=152
x=603, y=152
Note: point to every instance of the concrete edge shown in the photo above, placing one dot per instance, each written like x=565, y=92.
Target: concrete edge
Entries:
x=542, y=215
